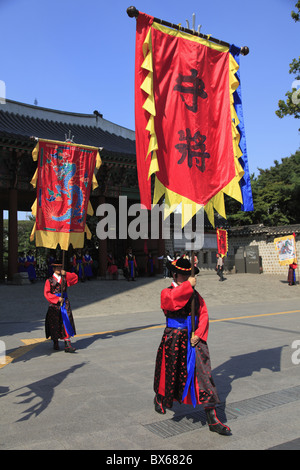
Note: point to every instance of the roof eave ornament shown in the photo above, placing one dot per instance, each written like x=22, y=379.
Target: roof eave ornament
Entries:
x=69, y=138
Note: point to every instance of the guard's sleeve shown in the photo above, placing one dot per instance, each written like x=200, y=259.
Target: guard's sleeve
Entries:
x=203, y=323
x=177, y=298
x=52, y=298
x=71, y=279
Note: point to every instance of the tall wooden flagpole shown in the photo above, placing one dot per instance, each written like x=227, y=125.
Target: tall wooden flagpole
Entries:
x=62, y=277
x=133, y=12
x=193, y=274
x=193, y=299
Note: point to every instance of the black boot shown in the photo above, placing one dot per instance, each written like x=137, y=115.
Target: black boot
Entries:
x=68, y=347
x=215, y=424
x=55, y=345
x=158, y=405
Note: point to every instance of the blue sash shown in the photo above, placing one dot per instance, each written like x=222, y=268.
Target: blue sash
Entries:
x=80, y=271
x=131, y=267
x=65, y=316
x=181, y=323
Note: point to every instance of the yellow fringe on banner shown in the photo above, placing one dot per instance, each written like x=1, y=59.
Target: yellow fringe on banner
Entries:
x=173, y=200
x=52, y=239
x=149, y=105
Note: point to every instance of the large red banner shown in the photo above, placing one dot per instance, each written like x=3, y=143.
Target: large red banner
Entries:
x=184, y=112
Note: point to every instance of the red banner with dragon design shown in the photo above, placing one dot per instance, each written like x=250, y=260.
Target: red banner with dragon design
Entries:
x=64, y=179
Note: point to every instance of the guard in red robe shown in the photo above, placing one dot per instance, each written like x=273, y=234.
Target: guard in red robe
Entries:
x=183, y=369
x=292, y=274
x=112, y=268
x=130, y=265
x=59, y=322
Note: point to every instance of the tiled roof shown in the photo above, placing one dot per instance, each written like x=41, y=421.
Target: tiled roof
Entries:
x=24, y=124
x=260, y=229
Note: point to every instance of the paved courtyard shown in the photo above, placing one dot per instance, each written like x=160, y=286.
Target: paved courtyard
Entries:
x=101, y=397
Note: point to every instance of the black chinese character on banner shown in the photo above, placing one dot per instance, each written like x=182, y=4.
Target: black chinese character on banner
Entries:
x=196, y=90
x=193, y=149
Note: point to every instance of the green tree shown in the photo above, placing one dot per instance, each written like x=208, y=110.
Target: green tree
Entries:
x=276, y=196
x=24, y=243
x=292, y=104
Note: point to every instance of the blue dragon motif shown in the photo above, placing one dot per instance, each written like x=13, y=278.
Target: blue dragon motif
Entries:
x=65, y=172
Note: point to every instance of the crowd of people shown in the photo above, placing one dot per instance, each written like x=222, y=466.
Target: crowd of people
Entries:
x=27, y=264
x=82, y=263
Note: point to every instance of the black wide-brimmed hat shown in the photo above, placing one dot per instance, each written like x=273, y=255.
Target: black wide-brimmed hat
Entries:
x=57, y=262
x=181, y=266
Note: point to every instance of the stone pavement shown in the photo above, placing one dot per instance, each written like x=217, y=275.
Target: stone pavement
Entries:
x=101, y=397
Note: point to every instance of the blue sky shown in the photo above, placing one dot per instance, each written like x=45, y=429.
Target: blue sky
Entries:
x=78, y=56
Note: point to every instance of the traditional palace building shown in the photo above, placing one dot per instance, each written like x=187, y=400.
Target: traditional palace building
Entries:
x=117, y=176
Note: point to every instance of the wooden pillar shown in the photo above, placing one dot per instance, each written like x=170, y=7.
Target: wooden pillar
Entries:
x=102, y=250
x=12, y=233
x=161, y=242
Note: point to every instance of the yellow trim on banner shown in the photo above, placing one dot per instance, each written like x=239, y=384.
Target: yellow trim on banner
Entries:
x=172, y=200
x=34, y=179
x=49, y=239
x=149, y=104
x=288, y=261
x=98, y=161
x=31, y=238
x=60, y=142
x=90, y=210
x=35, y=152
x=33, y=208
x=52, y=239
x=189, y=37
x=88, y=232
